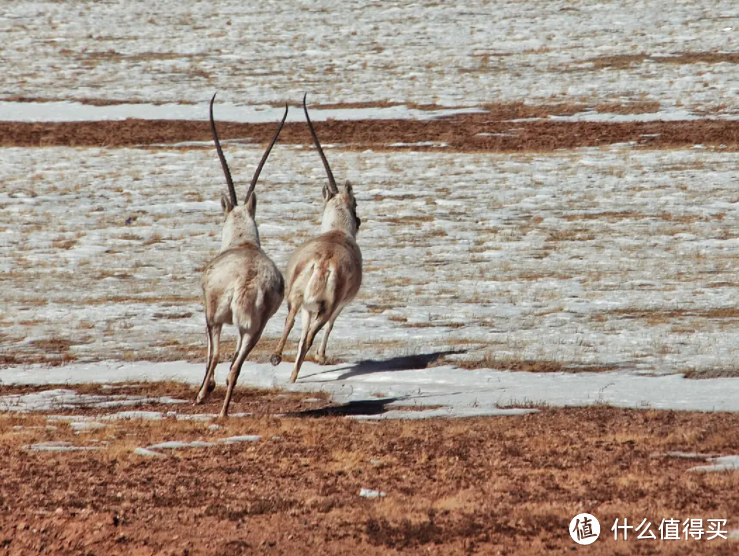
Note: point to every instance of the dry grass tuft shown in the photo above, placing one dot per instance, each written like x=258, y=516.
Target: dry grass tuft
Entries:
x=63, y=243
x=53, y=345
x=490, y=361
x=655, y=317
x=626, y=61
x=640, y=107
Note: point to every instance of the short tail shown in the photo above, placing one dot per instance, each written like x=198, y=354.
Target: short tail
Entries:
x=317, y=291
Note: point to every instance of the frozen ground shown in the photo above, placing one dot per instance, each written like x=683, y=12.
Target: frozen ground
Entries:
x=450, y=391
x=614, y=260
x=453, y=54
x=66, y=111
x=586, y=260
x=495, y=284
x=59, y=399
x=724, y=463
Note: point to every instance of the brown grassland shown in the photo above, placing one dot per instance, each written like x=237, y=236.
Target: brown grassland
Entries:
x=506, y=485
x=499, y=129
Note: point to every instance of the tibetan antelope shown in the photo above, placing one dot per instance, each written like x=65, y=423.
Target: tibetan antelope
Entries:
x=241, y=286
x=325, y=273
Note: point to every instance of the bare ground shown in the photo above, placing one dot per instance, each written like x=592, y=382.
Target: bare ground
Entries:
x=477, y=486
x=489, y=132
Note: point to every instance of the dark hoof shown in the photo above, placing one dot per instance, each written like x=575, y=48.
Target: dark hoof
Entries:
x=275, y=359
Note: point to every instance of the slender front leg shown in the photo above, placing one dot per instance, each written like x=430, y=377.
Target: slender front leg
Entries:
x=289, y=323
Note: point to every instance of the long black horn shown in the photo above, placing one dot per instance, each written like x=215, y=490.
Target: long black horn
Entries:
x=224, y=164
x=331, y=180
x=264, y=156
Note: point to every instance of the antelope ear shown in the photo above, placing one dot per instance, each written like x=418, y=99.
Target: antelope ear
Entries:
x=251, y=204
x=327, y=194
x=348, y=188
x=226, y=204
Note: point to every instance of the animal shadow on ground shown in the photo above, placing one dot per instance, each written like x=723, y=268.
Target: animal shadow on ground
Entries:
x=374, y=406
x=358, y=407
x=401, y=363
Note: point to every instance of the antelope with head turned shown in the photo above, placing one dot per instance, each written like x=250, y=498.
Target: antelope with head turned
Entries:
x=325, y=273
x=241, y=286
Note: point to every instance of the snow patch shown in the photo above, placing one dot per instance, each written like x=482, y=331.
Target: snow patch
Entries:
x=147, y=453
x=689, y=455
x=86, y=426
x=369, y=493
x=722, y=463
x=66, y=111
x=670, y=114
x=459, y=392
x=124, y=415
x=56, y=399
x=243, y=438
x=58, y=446
x=177, y=444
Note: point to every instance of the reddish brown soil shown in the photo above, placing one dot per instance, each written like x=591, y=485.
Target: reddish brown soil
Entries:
x=477, y=486
x=461, y=133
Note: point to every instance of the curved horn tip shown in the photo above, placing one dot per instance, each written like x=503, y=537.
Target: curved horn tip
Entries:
x=265, y=155
x=221, y=156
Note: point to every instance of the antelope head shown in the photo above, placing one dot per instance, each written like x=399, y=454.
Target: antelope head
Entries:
x=339, y=203
x=240, y=225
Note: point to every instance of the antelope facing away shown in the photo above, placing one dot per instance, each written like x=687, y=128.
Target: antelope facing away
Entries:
x=241, y=286
x=325, y=273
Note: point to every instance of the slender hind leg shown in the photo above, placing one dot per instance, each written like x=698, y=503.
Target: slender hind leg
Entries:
x=321, y=356
x=246, y=344
x=311, y=326
x=209, y=382
x=289, y=323
x=305, y=318
x=236, y=354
